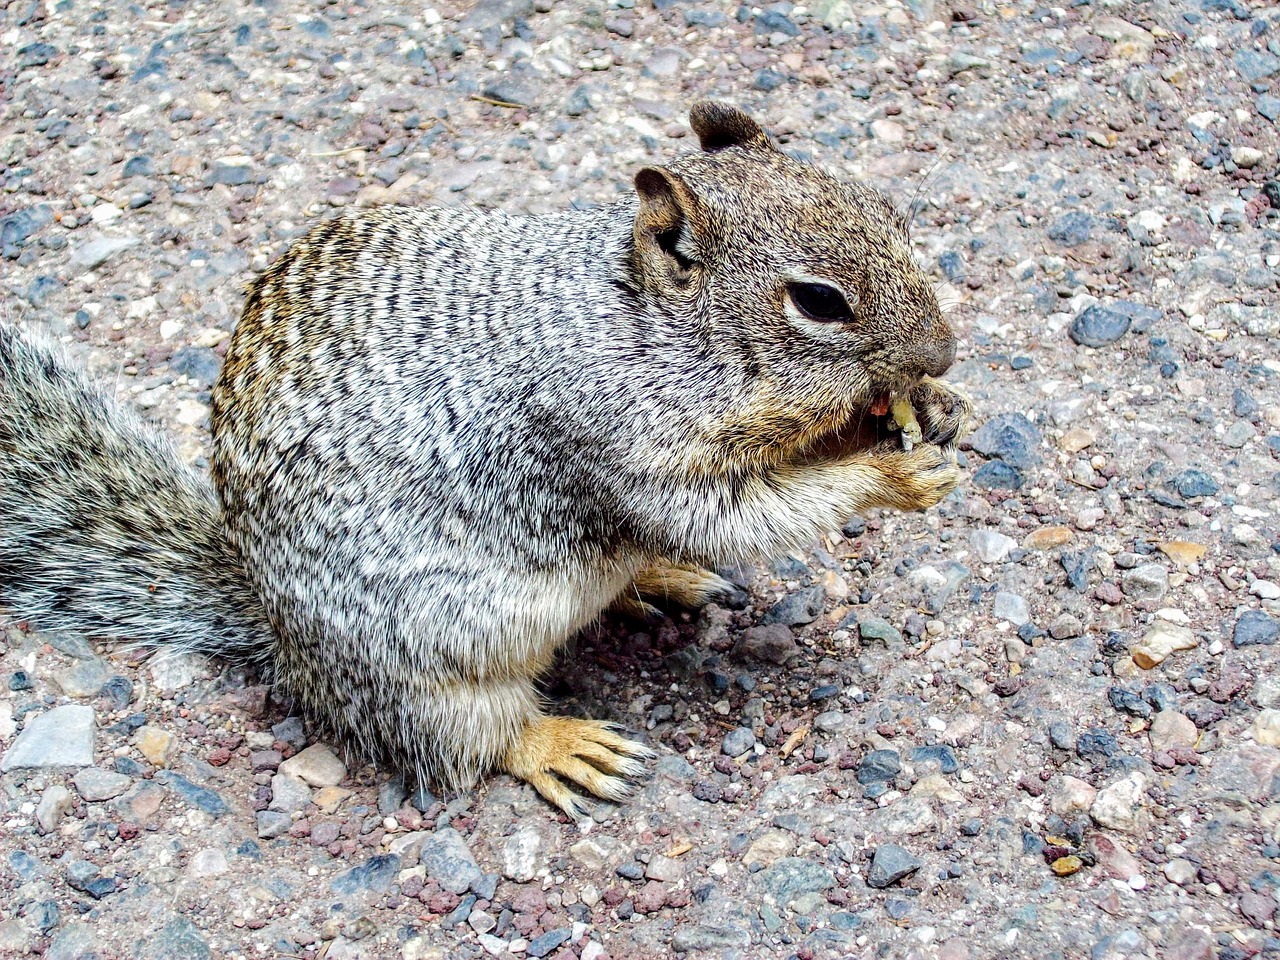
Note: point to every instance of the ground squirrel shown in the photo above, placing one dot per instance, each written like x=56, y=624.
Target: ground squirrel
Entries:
x=445, y=440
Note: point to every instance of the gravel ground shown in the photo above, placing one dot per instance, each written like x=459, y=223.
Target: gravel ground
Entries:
x=1041, y=720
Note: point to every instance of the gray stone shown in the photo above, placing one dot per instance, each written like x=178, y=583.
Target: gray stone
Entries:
x=290, y=731
x=889, y=865
x=1256, y=65
x=272, y=824
x=1011, y=607
x=543, y=945
x=990, y=546
x=173, y=671
x=177, y=940
x=375, y=874
x=1099, y=326
x=1255, y=628
x=907, y=817
x=95, y=784
x=449, y=860
x=936, y=595
x=288, y=794
x=773, y=643
x=391, y=795
x=879, y=765
x=801, y=607
x=201, y=797
x=82, y=679
x=72, y=643
x=317, y=766
x=715, y=935
x=521, y=854
x=1190, y=484
x=75, y=941
x=53, y=806
x=874, y=628
x=1071, y=229
x=1269, y=107
x=738, y=742
x=61, y=737
x=1149, y=581
x=791, y=877
x=1010, y=437
x=997, y=475
x=95, y=253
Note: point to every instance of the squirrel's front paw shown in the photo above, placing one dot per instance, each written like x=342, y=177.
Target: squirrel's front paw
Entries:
x=918, y=479
x=587, y=753
x=945, y=414
x=679, y=584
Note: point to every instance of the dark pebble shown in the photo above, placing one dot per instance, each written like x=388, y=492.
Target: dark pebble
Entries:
x=21, y=680
x=997, y=475
x=1099, y=326
x=801, y=607
x=201, y=797
x=854, y=528
x=1242, y=404
x=1255, y=628
x=460, y=913
x=943, y=755
x=737, y=742
x=391, y=795
x=1162, y=696
x=1010, y=437
x=898, y=909
x=139, y=167
x=889, y=865
x=825, y=692
x=1071, y=229
x=707, y=791
x=768, y=80
x=541, y=946
x=772, y=21
x=1129, y=702
x=1193, y=483
x=200, y=364
x=1096, y=742
x=376, y=873
x=971, y=828
x=879, y=765
x=1077, y=564
x=630, y=871
x=118, y=691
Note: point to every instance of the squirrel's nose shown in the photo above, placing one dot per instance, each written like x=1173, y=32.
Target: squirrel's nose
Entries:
x=936, y=358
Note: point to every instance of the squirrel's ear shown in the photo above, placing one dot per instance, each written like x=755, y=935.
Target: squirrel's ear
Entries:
x=720, y=126
x=664, y=226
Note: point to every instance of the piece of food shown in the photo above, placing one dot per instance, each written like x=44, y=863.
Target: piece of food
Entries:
x=903, y=417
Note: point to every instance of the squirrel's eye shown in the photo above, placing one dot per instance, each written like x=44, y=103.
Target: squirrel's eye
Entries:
x=819, y=302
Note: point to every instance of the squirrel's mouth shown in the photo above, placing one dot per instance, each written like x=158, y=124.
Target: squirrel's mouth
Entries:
x=865, y=428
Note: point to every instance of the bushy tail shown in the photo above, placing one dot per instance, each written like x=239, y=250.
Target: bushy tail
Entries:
x=103, y=529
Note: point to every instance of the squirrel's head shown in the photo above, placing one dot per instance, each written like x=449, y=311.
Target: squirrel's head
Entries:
x=807, y=281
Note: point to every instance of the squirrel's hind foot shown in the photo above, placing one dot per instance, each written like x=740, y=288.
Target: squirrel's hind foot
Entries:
x=586, y=753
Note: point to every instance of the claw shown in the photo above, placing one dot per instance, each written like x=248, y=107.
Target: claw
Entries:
x=586, y=753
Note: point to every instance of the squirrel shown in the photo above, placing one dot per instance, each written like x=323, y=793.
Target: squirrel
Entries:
x=444, y=441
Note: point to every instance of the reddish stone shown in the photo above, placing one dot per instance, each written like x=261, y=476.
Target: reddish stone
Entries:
x=219, y=757
x=444, y=902
x=533, y=901
x=651, y=898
